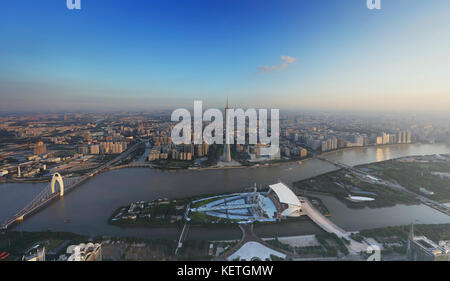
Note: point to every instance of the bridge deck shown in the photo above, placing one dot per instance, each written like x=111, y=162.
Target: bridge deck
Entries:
x=46, y=195
x=320, y=219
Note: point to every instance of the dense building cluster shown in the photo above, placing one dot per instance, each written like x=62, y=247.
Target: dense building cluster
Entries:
x=185, y=152
x=35, y=146
x=326, y=135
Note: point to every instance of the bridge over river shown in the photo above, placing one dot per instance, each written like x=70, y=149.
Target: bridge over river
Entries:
x=50, y=193
x=365, y=176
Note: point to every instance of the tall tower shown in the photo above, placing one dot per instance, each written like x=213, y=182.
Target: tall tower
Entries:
x=410, y=250
x=226, y=148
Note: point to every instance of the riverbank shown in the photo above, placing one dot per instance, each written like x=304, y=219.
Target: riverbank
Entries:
x=391, y=240
x=340, y=184
x=427, y=176
x=369, y=146
x=15, y=180
x=89, y=206
x=418, y=176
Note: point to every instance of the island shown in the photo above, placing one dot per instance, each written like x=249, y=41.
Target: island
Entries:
x=407, y=180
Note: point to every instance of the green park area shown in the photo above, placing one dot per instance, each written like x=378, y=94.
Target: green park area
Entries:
x=202, y=218
x=425, y=175
x=395, y=238
x=158, y=212
x=330, y=245
x=341, y=184
x=166, y=212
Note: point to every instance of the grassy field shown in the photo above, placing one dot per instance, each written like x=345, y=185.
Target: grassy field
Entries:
x=330, y=246
x=202, y=218
x=340, y=184
x=416, y=175
x=165, y=212
x=152, y=213
x=207, y=200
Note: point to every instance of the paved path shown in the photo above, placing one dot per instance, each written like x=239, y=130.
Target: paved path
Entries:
x=327, y=225
x=183, y=237
x=248, y=235
x=320, y=219
x=365, y=176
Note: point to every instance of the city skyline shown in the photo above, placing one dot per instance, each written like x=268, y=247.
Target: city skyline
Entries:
x=225, y=130
x=163, y=55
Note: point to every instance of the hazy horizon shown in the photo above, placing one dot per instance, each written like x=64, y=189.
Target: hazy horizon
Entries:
x=293, y=55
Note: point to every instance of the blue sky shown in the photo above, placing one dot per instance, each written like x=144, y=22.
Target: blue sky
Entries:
x=314, y=54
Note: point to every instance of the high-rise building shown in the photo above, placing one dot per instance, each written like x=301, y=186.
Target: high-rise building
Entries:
x=39, y=148
x=95, y=149
x=85, y=252
x=83, y=149
x=205, y=148
x=404, y=137
x=392, y=138
x=303, y=152
x=420, y=248
x=226, y=148
x=386, y=138
x=379, y=140
x=199, y=150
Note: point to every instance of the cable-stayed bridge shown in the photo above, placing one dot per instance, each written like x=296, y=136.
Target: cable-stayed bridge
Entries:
x=50, y=192
x=395, y=186
x=55, y=188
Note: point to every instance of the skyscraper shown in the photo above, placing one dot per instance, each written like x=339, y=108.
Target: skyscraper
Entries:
x=226, y=148
x=39, y=148
x=420, y=248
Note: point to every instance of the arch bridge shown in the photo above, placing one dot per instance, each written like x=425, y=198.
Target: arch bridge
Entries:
x=50, y=192
x=54, y=189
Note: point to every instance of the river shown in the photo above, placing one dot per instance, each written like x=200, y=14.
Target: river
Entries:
x=89, y=206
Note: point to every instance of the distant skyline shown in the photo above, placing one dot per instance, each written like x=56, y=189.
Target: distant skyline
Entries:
x=287, y=54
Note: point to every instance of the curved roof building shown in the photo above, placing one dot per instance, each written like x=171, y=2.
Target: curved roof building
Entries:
x=289, y=201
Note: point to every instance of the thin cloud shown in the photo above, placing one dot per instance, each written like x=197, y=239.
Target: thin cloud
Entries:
x=285, y=62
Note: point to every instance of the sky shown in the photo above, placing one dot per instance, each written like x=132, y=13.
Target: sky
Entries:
x=158, y=54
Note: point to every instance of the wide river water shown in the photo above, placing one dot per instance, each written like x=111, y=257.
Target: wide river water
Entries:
x=89, y=206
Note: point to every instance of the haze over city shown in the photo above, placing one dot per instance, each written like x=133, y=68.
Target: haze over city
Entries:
x=283, y=54
x=224, y=131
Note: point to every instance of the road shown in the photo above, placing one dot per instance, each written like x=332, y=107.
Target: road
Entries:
x=323, y=222
x=42, y=202
x=367, y=177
